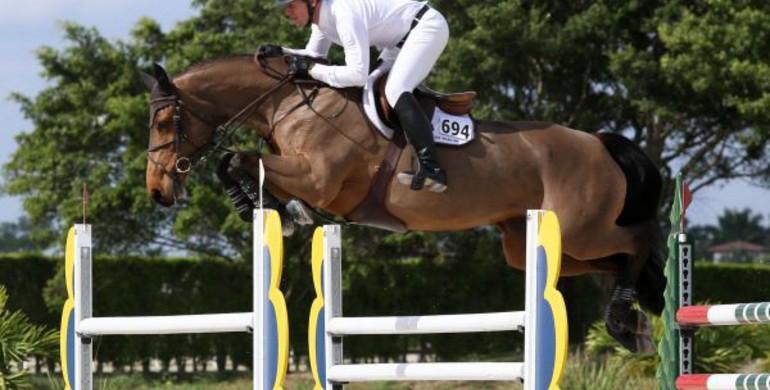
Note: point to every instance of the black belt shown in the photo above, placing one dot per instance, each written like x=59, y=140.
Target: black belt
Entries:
x=416, y=20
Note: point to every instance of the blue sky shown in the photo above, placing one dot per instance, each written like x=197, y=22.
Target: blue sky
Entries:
x=27, y=25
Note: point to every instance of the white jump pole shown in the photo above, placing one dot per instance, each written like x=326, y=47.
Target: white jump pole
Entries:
x=267, y=321
x=544, y=319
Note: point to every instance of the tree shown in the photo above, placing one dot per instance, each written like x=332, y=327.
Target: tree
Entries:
x=19, y=340
x=88, y=129
x=732, y=225
x=14, y=236
x=704, y=237
x=741, y=225
x=687, y=80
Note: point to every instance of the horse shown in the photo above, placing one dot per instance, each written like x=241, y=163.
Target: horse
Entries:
x=324, y=151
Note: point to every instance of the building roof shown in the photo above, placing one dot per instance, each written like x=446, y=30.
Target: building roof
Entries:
x=733, y=246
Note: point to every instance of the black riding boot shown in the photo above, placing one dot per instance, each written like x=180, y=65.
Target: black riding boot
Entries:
x=419, y=133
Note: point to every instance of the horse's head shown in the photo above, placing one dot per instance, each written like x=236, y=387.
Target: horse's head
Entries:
x=180, y=138
x=197, y=112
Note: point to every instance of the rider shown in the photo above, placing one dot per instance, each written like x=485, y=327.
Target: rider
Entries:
x=410, y=36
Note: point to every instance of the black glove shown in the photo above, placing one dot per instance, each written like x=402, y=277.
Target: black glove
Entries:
x=300, y=67
x=269, y=51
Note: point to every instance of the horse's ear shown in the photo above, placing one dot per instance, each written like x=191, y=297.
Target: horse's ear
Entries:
x=163, y=80
x=149, y=80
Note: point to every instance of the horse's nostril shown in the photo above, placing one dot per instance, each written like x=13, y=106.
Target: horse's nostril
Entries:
x=158, y=198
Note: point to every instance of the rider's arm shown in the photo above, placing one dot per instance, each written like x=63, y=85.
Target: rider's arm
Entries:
x=355, y=42
x=317, y=46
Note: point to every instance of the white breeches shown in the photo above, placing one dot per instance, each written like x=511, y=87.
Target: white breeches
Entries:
x=418, y=55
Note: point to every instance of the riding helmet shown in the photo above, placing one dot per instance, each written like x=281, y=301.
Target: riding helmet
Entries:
x=282, y=3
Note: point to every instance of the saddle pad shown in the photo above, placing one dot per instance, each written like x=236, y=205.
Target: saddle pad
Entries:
x=447, y=129
x=451, y=129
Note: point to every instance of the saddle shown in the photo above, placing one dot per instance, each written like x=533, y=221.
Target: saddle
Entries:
x=372, y=211
x=455, y=103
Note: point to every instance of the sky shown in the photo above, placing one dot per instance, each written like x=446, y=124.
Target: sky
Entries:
x=27, y=25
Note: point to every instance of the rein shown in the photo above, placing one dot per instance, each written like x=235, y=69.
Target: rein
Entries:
x=222, y=134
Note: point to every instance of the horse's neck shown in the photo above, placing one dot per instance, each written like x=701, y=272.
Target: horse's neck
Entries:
x=227, y=88
x=223, y=90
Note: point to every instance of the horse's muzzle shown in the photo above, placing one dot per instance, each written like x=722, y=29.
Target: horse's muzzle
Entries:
x=158, y=198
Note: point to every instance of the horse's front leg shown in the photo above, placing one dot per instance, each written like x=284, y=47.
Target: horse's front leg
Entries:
x=316, y=183
x=296, y=179
x=243, y=189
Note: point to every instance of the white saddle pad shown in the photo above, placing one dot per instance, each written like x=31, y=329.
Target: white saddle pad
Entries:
x=447, y=129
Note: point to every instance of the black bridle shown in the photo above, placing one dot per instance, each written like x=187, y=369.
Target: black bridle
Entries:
x=222, y=133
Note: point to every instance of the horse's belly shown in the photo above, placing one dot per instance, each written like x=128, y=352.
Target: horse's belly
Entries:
x=505, y=174
x=484, y=188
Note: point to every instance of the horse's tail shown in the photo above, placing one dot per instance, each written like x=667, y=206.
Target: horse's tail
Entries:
x=643, y=191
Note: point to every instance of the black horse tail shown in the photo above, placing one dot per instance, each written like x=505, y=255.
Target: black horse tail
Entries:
x=643, y=193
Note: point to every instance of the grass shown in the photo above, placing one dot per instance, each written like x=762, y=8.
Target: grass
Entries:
x=300, y=381
x=583, y=373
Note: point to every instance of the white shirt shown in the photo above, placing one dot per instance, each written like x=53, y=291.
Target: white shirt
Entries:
x=357, y=25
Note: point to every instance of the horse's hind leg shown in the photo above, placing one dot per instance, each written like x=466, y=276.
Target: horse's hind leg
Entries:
x=515, y=248
x=625, y=323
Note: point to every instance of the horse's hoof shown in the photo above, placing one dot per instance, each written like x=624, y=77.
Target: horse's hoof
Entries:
x=299, y=212
x=288, y=227
x=632, y=330
x=645, y=346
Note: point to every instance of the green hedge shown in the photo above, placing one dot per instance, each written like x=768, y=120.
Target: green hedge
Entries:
x=731, y=283
x=468, y=281
x=25, y=277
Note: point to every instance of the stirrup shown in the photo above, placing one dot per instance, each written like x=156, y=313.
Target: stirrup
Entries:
x=421, y=180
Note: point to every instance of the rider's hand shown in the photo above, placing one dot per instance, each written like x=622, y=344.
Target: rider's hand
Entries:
x=269, y=51
x=299, y=67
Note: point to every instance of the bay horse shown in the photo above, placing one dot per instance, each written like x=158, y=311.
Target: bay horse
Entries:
x=323, y=150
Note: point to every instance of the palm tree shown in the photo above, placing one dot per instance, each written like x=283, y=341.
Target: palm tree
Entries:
x=19, y=339
x=743, y=225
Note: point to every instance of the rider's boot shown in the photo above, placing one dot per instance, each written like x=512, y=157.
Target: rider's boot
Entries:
x=419, y=133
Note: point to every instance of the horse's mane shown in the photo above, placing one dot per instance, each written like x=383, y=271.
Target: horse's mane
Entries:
x=211, y=61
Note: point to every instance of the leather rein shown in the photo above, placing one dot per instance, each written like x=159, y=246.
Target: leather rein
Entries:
x=222, y=133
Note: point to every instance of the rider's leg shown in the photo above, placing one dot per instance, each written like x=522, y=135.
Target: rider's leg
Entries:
x=419, y=134
x=413, y=64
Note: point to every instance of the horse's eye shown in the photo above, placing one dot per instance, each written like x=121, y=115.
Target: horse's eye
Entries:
x=163, y=126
